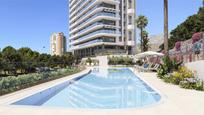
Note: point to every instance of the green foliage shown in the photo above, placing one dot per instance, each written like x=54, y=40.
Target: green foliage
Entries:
x=168, y=66
x=185, y=30
x=180, y=75
x=127, y=61
x=139, y=62
x=1, y=62
x=114, y=60
x=12, y=83
x=141, y=23
x=172, y=72
x=145, y=41
x=24, y=60
x=194, y=84
x=13, y=60
x=89, y=61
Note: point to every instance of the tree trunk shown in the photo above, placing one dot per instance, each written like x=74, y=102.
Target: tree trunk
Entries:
x=166, y=27
x=141, y=44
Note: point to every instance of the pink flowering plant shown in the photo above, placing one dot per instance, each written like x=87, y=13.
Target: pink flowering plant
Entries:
x=197, y=36
x=178, y=46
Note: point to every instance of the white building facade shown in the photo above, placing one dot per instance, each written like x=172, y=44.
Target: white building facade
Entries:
x=99, y=27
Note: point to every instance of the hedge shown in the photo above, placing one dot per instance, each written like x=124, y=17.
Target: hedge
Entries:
x=13, y=83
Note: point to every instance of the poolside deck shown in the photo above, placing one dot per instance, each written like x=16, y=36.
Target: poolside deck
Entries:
x=176, y=101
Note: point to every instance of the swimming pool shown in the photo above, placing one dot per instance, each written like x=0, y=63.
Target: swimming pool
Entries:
x=112, y=88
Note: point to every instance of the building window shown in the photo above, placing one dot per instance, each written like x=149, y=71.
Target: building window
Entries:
x=130, y=20
x=130, y=35
x=120, y=39
x=130, y=4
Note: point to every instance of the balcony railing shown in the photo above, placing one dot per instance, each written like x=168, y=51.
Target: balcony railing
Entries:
x=82, y=14
x=98, y=32
x=94, y=16
x=82, y=9
x=92, y=42
x=87, y=28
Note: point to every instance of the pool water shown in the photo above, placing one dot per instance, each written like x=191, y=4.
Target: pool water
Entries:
x=112, y=88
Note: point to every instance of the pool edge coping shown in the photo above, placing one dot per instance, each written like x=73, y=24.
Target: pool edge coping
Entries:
x=88, y=70
x=38, y=88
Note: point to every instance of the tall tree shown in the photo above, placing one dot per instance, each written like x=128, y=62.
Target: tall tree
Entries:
x=166, y=31
x=141, y=23
x=13, y=60
x=28, y=59
x=1, y=63
x=145, y=44
x=185, y=30
x=203, y=3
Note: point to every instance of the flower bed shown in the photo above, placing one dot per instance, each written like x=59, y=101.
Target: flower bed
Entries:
x=172, y=72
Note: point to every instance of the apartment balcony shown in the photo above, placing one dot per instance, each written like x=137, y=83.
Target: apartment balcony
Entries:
x=83, y=12
x=131, y=11
x=131, y=43
x=96, y=34
x=95, y=18
x=81, y=9
x=85, y=5
x=130, y=27
x=72, y=2
x=91, y=28
x=85, y=19
x=93, y=43
x=74, y=6
x=94, y=10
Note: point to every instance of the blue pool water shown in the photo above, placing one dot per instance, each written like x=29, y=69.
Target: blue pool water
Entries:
x=100, y=89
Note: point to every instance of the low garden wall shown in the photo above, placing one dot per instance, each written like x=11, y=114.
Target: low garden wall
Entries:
x=190, y=50
x=198, y=67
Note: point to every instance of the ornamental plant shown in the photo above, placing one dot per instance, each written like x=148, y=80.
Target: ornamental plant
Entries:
x=89, y=61
x=120, y=60
x=197, y=36
x=181, y=74
x=178, y=46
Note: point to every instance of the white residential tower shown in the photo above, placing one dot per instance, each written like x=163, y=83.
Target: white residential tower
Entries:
x=99, y=27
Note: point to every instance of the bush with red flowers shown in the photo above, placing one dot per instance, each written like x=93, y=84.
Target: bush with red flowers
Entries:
x=197, y=36
x=178, y=46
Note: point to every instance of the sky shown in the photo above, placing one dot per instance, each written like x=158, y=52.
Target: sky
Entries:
x=30, y=23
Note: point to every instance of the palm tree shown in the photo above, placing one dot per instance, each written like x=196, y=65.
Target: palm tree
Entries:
x=145, y=44
x=141, y=23
x=203, y=3
x=166, y=27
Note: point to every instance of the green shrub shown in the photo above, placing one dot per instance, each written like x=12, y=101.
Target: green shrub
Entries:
x=120, y=60
x=192, y=83
x=139, y=62
x=89, y=61
x=168, y=66
x=181, y=74
x=13, y=83
x=172, y=72
x=167, y=78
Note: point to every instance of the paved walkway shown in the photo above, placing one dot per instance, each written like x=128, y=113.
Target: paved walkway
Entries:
x=177, y=101
x=103, y=61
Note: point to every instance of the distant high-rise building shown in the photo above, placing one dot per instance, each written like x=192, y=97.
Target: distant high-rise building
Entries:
x=101, y=27
x=58, y=44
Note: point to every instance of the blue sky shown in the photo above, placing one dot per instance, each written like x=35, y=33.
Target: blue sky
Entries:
x=29, y=23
